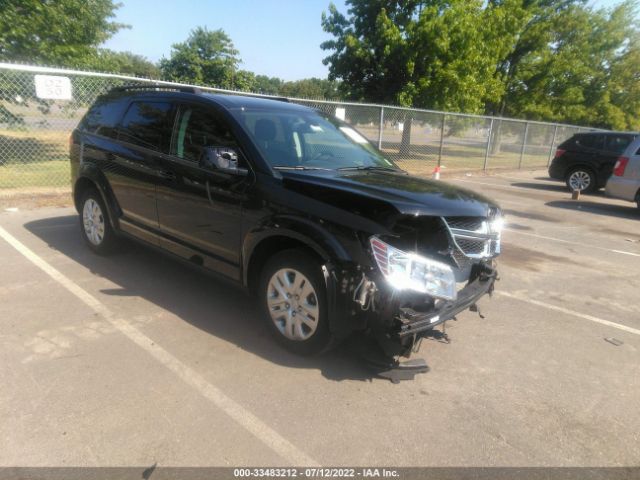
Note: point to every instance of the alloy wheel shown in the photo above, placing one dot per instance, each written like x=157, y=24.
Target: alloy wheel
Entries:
x=579, y=180
x=93, y=221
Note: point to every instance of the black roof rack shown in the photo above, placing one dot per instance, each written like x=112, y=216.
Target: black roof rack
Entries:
x=127, y=88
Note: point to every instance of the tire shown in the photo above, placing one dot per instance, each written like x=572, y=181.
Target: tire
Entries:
x=299, y=323
x=582, y=179
x=95, y=226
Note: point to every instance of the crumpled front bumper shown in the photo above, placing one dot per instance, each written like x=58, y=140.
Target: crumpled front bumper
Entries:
x=411, y=322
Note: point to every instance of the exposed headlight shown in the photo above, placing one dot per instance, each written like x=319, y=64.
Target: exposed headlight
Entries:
x=408, y=271
x=496, y=224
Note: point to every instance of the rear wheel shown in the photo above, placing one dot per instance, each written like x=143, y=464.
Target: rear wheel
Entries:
x=293, y=296
x=94, y=223
x=581, y=179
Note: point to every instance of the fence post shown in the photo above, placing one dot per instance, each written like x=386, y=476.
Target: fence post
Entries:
x=524, y=144
x=380, y=129
x=553, y=142
x=486, y=154
x=444, y=116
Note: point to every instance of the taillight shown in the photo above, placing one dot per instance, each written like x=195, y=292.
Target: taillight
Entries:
x=559, y=152
x=620, y=166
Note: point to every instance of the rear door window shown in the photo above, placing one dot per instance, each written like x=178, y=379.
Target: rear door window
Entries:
x=199, y=127
x=617, y=143
x=148, y=124
x=590, y=141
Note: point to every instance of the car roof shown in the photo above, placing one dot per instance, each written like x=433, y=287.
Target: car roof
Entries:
x=607, y=132
x=229, y=102
x=233, y=102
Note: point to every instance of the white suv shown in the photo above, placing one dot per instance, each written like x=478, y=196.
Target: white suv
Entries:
x=625, y=181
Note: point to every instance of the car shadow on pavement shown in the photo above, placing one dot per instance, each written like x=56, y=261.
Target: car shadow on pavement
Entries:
x=559, y=187
x=620, y=211
x=207, y=303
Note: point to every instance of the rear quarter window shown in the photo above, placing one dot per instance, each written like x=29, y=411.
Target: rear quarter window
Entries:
x=102, y=117
x=617, y=143
x=148, y=124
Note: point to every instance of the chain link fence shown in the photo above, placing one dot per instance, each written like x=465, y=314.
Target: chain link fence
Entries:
x=39, y=107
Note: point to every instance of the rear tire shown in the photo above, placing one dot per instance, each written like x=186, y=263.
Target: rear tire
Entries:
x=293, y=297
x=582, y=179
x=95, y=226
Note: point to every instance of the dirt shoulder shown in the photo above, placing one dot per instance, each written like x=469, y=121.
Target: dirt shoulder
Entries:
x=32, y=198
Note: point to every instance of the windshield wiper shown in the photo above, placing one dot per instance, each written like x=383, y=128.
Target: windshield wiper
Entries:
x=299, y=167
x=372, y=167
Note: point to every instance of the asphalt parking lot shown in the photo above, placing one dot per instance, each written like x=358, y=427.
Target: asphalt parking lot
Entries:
x=135, y=359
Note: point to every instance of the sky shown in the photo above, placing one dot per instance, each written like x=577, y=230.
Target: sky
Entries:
x=278, y=38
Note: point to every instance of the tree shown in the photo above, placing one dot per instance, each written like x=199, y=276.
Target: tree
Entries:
x=315, y=88
x=205, y=58
x=579, y=69
x=429, y=54
x=126, y=63
x=554, y=60
x=55, y=32
x=268, y=85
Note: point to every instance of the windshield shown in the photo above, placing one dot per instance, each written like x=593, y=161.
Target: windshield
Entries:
x=309, y=140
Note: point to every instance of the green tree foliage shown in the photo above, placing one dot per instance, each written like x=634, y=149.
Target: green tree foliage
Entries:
x=125, y=63
x=567, y=62
x=315, y=88
x=55, y=32
x=539, y=59
x=207, y=57
x=267, y=85
x=430, y=54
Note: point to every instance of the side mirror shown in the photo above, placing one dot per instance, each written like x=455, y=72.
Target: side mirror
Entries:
x=221, y=159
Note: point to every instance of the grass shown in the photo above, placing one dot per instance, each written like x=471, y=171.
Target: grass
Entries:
x=53, y=173
x=35, y=158
x=39, y=158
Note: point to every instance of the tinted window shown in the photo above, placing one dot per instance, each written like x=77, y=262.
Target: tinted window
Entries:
x=102, y=117
x=590, y=141
x=148, y=124
x=199, y=127
x=617, y=143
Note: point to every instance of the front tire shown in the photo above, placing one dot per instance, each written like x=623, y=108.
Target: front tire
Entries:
x=293, y=297
x=581, y=179
x=95, y=227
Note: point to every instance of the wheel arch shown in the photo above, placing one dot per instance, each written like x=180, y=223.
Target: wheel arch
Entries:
x=90, y=177
x=285, y=233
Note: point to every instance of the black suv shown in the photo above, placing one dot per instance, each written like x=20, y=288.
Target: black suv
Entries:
x=289, y=203
x=585, y=161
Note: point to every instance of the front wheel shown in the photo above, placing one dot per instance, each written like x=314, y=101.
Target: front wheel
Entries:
x=94, y=223
x=293, y=296
x=581, y=179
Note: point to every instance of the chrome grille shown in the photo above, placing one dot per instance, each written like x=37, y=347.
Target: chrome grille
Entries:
x=472, y=238
x=465, y=223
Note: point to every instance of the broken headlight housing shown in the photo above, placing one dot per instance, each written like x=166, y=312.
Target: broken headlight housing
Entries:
x=409, y=271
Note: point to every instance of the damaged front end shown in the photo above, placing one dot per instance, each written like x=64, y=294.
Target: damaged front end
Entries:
x=425, y=272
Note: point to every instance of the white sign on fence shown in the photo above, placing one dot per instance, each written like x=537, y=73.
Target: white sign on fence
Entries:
x=340, y=113
x=53, y=88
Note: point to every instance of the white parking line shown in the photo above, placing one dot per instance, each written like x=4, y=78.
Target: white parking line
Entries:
x=569, y=312
x=237, y=412
x=622, y=252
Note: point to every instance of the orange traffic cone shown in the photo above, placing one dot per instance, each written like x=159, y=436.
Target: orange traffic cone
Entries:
x=436, y=173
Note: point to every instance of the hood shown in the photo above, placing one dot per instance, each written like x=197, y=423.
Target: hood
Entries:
x=407, y=194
